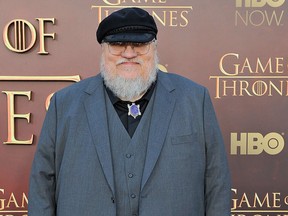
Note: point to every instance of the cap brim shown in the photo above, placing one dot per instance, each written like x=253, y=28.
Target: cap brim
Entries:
x=130, y=37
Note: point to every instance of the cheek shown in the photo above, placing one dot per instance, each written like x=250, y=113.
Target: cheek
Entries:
x=109, y=65
x=148, y=65
x=108, y=59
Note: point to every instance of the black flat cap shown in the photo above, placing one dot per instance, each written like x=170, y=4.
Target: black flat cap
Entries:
x=127, y=25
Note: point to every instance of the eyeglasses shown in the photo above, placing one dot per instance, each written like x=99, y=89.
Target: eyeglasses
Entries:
x=117, y=48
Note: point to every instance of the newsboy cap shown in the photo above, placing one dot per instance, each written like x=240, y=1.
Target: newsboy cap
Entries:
x=127, y=25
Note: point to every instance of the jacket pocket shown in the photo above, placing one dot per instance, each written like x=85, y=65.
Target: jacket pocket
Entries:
x=177, y=140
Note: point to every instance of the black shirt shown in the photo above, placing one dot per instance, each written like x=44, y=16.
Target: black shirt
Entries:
x=121, y=107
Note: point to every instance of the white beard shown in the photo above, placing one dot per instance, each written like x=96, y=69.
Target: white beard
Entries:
x=128, y=89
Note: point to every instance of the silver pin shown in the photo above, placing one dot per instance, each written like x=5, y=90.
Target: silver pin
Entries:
x=134, y=110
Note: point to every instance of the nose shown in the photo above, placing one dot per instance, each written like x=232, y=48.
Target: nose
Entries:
x=129, y=52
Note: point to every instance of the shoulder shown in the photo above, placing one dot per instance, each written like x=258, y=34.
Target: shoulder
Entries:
x=86, y=86
x=74, y=95
x=181, y=84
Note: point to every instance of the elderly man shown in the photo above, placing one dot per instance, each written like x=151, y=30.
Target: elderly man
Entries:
x=132, y=140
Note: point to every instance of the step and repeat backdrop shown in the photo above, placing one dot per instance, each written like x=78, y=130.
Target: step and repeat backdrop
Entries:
x=238, y=49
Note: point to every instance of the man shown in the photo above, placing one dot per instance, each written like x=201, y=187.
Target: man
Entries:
x=132, y=140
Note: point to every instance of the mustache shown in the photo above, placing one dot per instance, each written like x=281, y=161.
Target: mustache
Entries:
x=121, y=61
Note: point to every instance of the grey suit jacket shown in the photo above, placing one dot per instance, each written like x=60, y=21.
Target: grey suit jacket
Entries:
x=185, y=173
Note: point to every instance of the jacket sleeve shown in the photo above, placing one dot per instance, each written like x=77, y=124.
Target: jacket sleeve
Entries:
x=217, y=176
x=41, y=198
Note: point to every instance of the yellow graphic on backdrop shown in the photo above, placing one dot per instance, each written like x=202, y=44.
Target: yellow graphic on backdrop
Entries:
x=251, y=77
x=255, y=143
x=166, y=15
x=25, y=35
x=12, y=95
x=258, y=204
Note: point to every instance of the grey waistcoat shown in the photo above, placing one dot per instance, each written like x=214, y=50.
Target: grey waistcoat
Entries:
x=128, y=158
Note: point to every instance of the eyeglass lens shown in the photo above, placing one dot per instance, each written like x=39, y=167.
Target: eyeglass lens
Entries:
x=119, y=47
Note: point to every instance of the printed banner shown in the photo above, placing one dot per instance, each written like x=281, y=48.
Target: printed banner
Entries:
x=237, y=49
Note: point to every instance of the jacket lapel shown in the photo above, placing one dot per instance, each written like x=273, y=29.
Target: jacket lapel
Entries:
x=95, y=108
x=162, y=111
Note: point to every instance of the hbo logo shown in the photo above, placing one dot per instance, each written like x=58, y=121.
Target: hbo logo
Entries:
x=256, y=143
x=259, y=3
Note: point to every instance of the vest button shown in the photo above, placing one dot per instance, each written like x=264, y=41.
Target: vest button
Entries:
x=133, y=196
x=130, y=175
x=128, y=155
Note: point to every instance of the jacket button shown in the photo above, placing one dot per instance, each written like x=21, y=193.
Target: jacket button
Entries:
x=130, y=175
x=133, y=196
